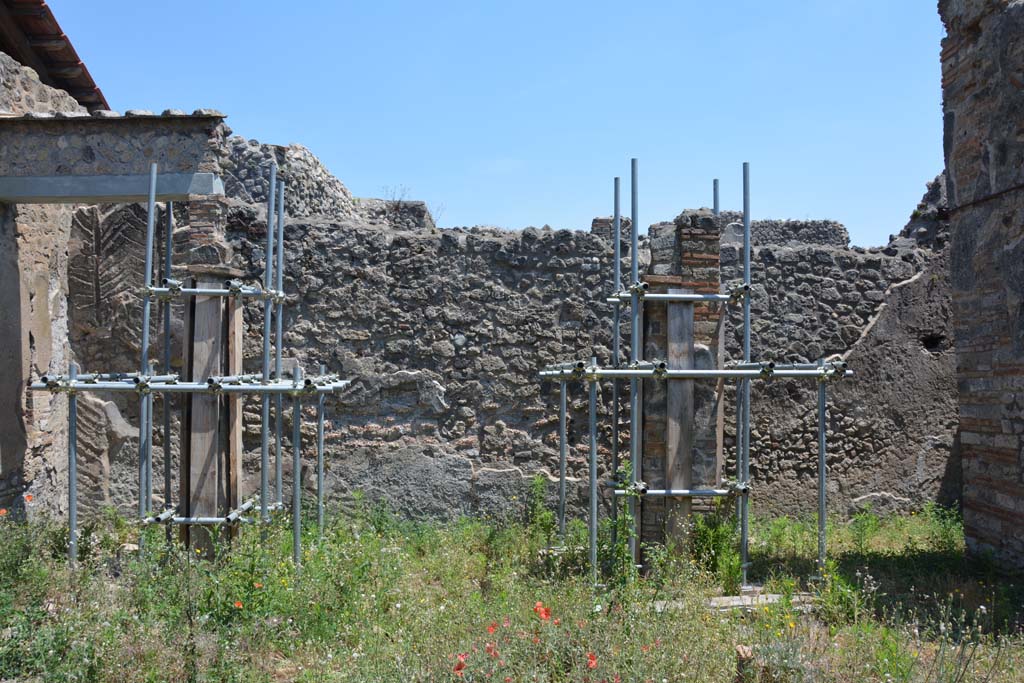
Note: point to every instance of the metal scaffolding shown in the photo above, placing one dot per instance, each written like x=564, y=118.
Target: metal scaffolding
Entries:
x=745, y=371
x=146, y=383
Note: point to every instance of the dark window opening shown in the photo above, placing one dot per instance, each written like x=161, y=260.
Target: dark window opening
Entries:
x=933, y=343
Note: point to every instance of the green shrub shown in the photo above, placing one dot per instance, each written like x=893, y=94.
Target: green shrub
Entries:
x=863, y=527
x=714, y=546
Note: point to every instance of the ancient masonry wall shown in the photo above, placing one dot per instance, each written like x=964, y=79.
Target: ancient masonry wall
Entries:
x=983, y=105
x=443, y=331
x=892, y=429
x=33, y=316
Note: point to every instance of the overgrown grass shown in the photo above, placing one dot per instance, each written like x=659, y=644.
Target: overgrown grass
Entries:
x=378, y=599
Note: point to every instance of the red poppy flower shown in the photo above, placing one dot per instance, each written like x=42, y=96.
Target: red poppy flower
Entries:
x=591, y=660
x=541, y=611
x=28, y=497
x=257, y=585
x=3, y=511
x=492, y=628
x=460, y=665
x=238, y=604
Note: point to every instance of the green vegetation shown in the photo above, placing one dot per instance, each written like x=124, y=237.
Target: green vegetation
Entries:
x=378, y=599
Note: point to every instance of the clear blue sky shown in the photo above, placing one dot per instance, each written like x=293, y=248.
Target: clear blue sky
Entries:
x=520, y=113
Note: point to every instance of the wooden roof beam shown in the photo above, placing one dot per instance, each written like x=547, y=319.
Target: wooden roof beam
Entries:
x=12, y=35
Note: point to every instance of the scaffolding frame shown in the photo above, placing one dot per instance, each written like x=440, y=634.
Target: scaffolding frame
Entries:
x=147, y=383
x=745, y=371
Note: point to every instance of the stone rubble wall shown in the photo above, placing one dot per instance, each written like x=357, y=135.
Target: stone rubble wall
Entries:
x=892, y=426
x=442, y=332
x=310, y=188
x=773, y=231
x=87, y=145
x=400, y=214
x=983, y=107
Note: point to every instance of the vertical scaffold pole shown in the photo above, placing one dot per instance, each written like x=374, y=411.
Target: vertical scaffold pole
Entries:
x=634, y=356
x=593, y=475
x=716, y=207
x=320, y=457
x=616, y=334
x=166, y=398
x=150, y=412
x=297, y=468
x=745, y=384
x=822, y=465
x=73, y=468
x=145, y=452
x=561, y=459
x=279, y=322
x=268, y=284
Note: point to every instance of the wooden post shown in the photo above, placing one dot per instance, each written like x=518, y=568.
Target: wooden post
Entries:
x=211, y=451
x=680, y=426
x=233, y=432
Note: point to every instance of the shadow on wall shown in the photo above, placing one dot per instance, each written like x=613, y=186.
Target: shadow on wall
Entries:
x=12, y=425
x=951, y=488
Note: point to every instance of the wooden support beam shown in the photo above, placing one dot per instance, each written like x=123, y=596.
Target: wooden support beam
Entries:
x=202, y=432
x=211, y=463
x=680, y=418
x=65, y=70
x=233, y=408
x=48, y=42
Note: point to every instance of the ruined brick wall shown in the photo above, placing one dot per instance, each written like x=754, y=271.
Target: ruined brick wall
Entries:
x=983, y=104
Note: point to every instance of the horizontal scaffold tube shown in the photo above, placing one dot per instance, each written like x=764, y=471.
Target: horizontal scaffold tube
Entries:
x=322, y=379
x=676, y=493
x=209, y=521
x=162, y=518
x=687, y=297
x=155, y=379
x=728, y=373
x=242, y=509
x=233, y=379
x=836, y=364
x=280, y=387
x=55, y=380
x=246, y=291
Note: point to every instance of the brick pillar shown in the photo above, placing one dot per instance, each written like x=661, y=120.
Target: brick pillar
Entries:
x=206, y=242
x=684, y=257
x=983, y=104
